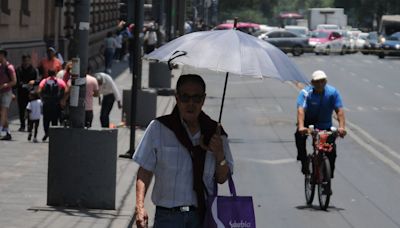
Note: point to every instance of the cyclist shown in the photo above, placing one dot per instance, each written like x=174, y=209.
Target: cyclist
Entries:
x=315, y=105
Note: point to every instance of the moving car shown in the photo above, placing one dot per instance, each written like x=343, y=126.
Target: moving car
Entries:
x=371, y=44
x=391, y=46
x=287, y=41
x=246, y=27
x=327, y=42
x=299, y=30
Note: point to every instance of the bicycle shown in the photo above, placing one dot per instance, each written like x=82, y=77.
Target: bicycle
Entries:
x=319, y=169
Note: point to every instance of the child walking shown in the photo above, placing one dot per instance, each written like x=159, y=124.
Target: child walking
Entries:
x=34, y=110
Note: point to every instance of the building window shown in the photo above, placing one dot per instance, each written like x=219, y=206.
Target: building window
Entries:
x=25, y=8
x=4, y=7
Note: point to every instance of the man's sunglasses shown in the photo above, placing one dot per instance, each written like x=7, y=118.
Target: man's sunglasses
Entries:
x=197, y=98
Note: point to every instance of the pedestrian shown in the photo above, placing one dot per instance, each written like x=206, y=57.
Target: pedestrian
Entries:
x=34, y=112
x=8, y=79
x=187, y=152
x=65, y=74
x=150, y=39
x=92, y=90
x=315, y=105
x=49, y=63
x=109, y=49
x=51, y=90
x=27, y=77
x=118, y=46
x=110, y=93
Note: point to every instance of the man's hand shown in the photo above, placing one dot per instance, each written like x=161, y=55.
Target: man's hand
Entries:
x=342, y=132
x=216, y=146
x=303, y=130
x=63, y=103
x=3, y=86
x=31, y=82
x=119, y=104
x=142, y=218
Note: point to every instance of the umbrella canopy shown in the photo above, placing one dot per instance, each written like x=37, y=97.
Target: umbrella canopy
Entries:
x=229, y=51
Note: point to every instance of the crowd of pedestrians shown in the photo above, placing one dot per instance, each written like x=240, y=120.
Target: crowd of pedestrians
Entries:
x=42, y=92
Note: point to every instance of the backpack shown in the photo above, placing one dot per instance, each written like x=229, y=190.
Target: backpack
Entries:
x=51, y=91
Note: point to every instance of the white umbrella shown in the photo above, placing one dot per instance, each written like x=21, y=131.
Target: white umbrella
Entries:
x=230, y=51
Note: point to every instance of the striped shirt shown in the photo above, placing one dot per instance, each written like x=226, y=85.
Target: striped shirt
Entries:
x=161, y=153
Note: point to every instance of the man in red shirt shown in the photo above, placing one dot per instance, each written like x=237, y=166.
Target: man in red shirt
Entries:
x=8, y=79
x=51, y=90
x=49, y=63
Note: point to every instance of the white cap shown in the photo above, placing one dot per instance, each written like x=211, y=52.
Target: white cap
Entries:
x=318, y=75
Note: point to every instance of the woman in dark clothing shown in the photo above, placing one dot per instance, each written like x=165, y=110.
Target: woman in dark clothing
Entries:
x=27, y=77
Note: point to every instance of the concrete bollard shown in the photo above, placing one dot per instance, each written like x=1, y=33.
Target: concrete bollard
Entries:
x=146, y=107
x=82, y=168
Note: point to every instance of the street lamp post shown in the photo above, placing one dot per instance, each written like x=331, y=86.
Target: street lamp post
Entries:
x=136, y=58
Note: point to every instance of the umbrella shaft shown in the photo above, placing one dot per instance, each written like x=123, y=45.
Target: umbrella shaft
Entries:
x=223, y=98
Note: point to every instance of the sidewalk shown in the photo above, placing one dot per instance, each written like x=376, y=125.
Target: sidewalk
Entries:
x=23, y=175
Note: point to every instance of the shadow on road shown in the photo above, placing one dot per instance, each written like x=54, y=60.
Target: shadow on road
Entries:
x=317, y=208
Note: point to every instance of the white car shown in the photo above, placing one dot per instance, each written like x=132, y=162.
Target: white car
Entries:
x=360, y=41
x=327, y=27
x=334, y=44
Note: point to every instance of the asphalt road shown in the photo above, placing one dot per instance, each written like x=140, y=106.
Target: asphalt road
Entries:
x=259, y=116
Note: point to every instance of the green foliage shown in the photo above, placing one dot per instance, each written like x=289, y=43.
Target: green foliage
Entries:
x=359, y=12
x=245, y=15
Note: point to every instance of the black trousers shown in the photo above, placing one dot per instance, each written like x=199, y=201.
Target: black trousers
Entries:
x=23, y=99
x=51, y=114
x=301, y=141
x=106, y=106
x=33, y=124
x=88, y=118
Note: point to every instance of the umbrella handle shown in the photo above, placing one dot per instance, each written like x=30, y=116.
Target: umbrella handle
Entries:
x=181, y=53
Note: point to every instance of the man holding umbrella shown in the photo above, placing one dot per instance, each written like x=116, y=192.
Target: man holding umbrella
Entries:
x=185, y=151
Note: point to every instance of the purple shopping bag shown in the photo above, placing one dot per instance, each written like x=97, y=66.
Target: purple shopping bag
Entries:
x=229, y=211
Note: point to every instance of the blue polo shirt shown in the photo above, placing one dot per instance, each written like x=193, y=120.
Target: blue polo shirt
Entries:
x=319, y=108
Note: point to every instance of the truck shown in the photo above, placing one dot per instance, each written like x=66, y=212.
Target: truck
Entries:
x=389, y=25
x=326, y=16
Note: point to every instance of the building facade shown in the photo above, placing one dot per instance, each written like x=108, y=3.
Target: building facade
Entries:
x=29, y=26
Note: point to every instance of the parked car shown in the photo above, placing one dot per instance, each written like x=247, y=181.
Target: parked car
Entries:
x=371, y=44
x=332, y=42
x=361, y=39
x=391, y=46
x=287, y=41
x=246, y=27
x=327, y=27
x=299, y=30
x=349, y=41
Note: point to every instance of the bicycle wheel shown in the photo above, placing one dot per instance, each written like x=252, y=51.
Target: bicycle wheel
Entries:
x=324, y=184
x=309, y=183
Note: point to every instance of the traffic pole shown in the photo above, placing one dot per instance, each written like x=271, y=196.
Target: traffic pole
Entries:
x=136, y=53
x=80, y=57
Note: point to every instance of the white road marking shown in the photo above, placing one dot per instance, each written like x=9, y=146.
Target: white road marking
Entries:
x=367, y=61
x=359, y=108
x=375, y=108
x=269, y=162
x=367, y=145
x=371, y=149
x=380, y=86
x=397, y=94
x=365, y=80
x=353, y=74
